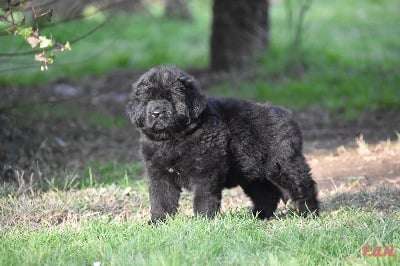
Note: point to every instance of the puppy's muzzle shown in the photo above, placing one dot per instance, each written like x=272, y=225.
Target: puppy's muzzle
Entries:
x=156, y=112
x=158, y=109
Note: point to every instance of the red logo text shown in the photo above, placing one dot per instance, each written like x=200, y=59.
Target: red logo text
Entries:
x=386, y=251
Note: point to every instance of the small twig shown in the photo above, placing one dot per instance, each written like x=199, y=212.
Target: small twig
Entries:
x=35, y=16
x=334, y=184
x=305, y=6
x=10, y=6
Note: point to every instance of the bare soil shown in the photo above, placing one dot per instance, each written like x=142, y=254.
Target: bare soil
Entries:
x=362, y=153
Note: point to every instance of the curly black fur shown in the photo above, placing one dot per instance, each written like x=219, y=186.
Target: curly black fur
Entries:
x=207, y=144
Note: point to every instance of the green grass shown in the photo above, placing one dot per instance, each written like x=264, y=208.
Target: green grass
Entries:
x=98, y=174
x=102, y=217
x=94, y=174
x=231, y=239
x=103, y=173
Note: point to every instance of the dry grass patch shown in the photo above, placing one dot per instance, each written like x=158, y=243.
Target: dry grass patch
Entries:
x=68, y=207
x=118, y=204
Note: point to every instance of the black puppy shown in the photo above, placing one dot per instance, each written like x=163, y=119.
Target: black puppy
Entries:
x=207, y=144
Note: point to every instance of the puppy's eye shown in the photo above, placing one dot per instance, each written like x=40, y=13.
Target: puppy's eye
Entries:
x=141, y=91
x=180, y=89
x=166, y=94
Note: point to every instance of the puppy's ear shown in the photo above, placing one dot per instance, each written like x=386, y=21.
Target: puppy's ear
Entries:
x=187, y=81
x=199, y=104
x=130, y=113
x=198, y=100
x=134, y=87
x=129, y=110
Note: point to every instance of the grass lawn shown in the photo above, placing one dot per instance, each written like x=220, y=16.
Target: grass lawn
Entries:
x=102, y=217
x=88, y=233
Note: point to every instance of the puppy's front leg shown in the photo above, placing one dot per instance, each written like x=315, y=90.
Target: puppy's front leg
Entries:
x=207, y=200
x=164, y=196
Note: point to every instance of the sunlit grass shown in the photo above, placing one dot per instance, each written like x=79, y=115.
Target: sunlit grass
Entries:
x=232, y=238
x=97, y=174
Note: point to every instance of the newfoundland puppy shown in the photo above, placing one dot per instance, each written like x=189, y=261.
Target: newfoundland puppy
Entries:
x=207, y=144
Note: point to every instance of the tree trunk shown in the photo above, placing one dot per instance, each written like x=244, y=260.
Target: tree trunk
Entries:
x=239, y=31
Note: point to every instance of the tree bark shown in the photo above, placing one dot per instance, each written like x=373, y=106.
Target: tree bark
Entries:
x=239, y=31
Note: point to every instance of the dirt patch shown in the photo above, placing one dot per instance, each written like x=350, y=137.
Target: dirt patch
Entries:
x=56, y=208
x=361, y=167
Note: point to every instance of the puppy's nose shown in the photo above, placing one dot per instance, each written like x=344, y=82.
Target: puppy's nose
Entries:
x=156, y=112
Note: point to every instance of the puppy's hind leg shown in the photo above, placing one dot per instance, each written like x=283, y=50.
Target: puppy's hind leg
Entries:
x=295, y=177
x=265, y=197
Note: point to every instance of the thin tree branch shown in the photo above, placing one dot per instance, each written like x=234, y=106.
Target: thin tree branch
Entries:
x=94, y=55
x=75, y=40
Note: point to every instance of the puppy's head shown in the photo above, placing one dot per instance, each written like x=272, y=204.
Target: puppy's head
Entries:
x=164, y=101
